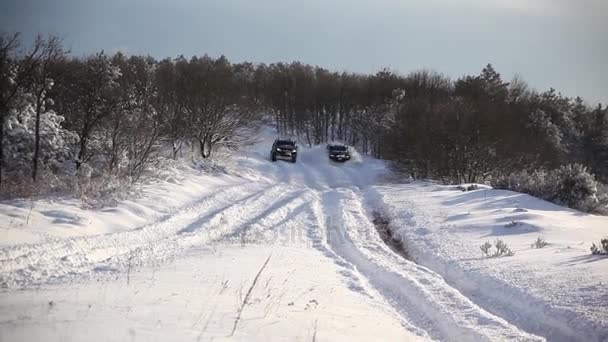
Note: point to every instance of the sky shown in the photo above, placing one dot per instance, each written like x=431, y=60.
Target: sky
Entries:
x=548, y=43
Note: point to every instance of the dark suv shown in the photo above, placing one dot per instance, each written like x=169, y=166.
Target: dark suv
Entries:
x=284, y=149
x=338, y=153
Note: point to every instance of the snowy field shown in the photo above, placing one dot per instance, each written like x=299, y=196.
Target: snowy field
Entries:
x=558, y=291
x=281, y=251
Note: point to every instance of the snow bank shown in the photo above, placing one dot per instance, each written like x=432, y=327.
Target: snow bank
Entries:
x=557, y=291
x=24, y=221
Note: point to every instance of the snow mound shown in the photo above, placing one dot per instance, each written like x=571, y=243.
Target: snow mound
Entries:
x=551, y=291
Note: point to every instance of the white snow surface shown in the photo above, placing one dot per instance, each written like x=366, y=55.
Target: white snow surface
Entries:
x=282, y=251
x=559, y=291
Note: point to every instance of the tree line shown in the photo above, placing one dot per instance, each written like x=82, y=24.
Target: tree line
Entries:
x=114, y=114
x=464, y=130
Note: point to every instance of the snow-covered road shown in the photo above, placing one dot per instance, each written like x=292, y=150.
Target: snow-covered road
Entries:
x=284, y=252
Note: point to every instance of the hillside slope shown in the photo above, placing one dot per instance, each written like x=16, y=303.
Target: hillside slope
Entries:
x=276, y=251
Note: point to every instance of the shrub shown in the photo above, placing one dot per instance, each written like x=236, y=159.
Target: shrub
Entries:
x=571, y=185
x=56, y=143
x=535, y=183
x=539, y=243
x=501, y=249
x=470, y=187
x=601, y=205
x=485, y=248
x=513, y=224
x=575, y=187
x=49, y=183
x=602, y=249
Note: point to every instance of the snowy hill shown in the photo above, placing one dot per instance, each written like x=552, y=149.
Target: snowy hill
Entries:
x=281, y=251
x=555, y=291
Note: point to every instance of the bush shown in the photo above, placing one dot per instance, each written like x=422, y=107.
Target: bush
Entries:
x=485, y=248
x=470, y=187
x=575, y=187
x=535, y=183
x=56, y=143
x=101, y=191
x=501, y=249
x=94, y=192
x=571, y=185
x=602, y=249
x=601, y=205
x=49, y=183
x=539, y=243
x=513, y=224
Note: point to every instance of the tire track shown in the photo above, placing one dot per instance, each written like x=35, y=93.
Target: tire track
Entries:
x=324, y=200
x=281, y=210
x=10, y=254
x=212, y=228
x=38, y=263
x=522, y=310
x=417, y=294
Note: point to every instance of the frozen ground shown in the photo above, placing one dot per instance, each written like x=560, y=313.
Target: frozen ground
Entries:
x=559, y=291
x=298, y=295
x=281, y=251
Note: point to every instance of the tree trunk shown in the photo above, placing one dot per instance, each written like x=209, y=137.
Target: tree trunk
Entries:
x=84, y=141
x=308, y=136
x=114, y=157
x=3, y=112
x=176, y=148
x=205, y=145
x=201, y=144
x=39, y=104
x=81, y=153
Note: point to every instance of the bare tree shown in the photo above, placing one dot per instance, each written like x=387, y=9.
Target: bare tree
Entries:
x=139, y=138
x=86, y=97
x=50, y=51
x=169, y=102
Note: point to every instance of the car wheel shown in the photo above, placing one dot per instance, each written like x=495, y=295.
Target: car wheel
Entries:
x=293, y=159
x=273, y=157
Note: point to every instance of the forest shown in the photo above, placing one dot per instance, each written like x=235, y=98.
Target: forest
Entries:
x=71, y=120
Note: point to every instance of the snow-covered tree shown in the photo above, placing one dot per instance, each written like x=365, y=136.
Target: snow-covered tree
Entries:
x=575, y=186
x=595, y=142
x=41, y=82
x=56, y=143
x=8, y=84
